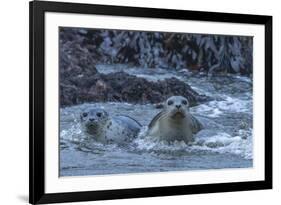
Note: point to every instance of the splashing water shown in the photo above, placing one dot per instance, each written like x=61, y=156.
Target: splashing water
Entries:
x=225, y=141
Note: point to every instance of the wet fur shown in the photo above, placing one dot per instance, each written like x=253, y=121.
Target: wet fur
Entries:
x=174, y=124
x=105, y=129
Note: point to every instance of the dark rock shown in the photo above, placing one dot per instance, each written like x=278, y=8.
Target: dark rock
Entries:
x=197, y=52
x=122, y=87
x=80, y=82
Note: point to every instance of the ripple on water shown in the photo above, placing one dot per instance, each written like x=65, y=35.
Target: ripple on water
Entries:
x=225, y=141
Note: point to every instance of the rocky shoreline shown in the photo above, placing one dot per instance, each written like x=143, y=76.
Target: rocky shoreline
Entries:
x=82, y=49
x=122, y=87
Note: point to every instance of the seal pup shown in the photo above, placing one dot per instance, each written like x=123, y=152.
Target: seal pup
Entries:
x=97, y=123
x=175, y=122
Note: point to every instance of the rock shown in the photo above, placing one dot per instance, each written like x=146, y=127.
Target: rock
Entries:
x=68, y=94
x=197, y=52
x=80, y=50
x=122, y=87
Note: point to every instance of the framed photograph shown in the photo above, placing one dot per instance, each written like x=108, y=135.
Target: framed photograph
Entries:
x=130, y=102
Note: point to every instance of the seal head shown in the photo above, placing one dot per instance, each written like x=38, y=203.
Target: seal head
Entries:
x=177, y=107
x=94, y=120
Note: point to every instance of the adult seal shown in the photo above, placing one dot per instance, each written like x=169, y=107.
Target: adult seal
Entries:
x=175, y=122
x=97, y=123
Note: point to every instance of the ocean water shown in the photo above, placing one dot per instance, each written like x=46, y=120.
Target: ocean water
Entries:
x=225, y=141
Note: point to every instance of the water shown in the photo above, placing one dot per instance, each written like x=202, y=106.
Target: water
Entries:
x=225, y=141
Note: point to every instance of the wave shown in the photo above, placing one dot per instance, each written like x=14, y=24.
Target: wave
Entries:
x=240, y=144
x=228, y=105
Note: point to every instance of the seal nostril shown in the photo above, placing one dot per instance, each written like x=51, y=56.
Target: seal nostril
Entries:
x=91, y=119
x=178, y=106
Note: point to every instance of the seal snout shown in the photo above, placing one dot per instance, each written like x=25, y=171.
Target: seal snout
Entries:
x=92, y=119
x=178, y=106
x=178, y=114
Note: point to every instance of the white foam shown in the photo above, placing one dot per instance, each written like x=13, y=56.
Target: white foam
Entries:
x=232, y=104
x=222, y=143
x=74, y=133
x=208, y=110
x=217, y=108
x=241, y=144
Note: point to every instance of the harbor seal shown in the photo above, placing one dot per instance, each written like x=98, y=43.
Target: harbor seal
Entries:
x=97, y=123
x=175, y=122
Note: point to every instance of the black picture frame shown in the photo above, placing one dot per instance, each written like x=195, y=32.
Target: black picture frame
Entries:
x=37, y=193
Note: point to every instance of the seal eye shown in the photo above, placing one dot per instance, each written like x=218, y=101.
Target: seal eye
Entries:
x=99, y=114
x=170, y=102
x=184, y=102
x=85, y=114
